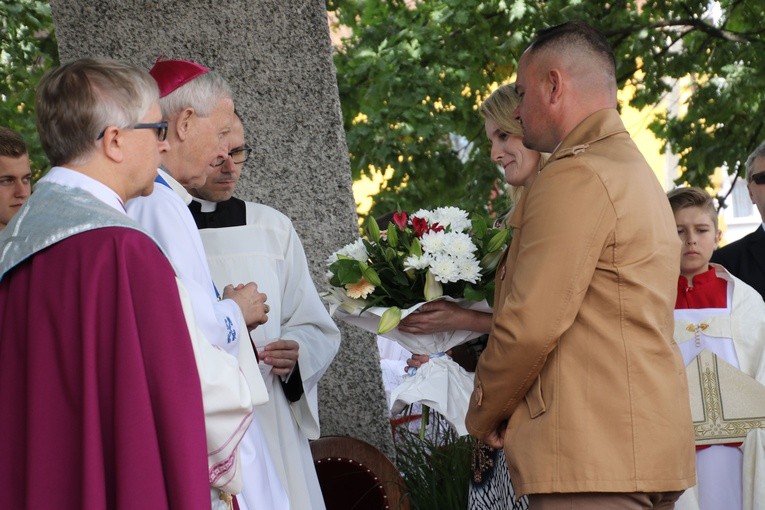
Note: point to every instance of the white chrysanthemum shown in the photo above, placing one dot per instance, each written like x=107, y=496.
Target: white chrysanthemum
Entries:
x=415, y=262
x=444, y=269
x=459, y=244
x=433, y=242
x=356, y=250
x=468, y=269
x=453, y=217
x=424, y=214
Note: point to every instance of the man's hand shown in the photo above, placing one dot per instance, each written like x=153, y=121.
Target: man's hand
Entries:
x=496, y=438
x=250, y=301
x=282, y=355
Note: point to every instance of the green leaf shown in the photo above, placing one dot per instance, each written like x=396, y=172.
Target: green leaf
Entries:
x=479, y=226
x=415, y=248
x=473, y=294
x=404, y=58
x=392, y=234
x=347, y=271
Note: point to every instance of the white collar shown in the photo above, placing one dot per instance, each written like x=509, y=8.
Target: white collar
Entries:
x=175, y=186
x=206, y=205
x=73, y=179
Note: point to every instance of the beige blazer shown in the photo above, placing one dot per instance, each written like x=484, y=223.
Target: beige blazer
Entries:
x=581, y=363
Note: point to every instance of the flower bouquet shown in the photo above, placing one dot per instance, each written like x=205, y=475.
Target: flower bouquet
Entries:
x=432, y=254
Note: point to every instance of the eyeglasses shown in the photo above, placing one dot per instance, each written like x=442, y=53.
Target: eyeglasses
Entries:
x=238, y=156
x=161, y=128
x=759, y=178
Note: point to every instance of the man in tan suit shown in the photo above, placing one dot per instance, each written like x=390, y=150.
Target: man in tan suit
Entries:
x=583, y=319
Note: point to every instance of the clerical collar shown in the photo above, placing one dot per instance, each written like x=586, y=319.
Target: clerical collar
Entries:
x=205, y=205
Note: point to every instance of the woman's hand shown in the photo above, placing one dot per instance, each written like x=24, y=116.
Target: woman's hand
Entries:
x=442, y=315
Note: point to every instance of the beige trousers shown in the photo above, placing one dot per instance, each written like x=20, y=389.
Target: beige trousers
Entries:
x=604, y=501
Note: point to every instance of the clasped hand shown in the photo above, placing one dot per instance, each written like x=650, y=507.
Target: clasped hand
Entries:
x=282, y=355
x=250, y=301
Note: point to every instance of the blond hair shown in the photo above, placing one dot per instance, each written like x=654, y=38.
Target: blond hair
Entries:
x=499, y=108
x=691, y=196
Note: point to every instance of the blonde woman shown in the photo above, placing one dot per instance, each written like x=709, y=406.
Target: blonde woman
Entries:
x=490, y=486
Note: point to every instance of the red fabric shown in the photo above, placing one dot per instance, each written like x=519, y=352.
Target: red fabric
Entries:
x=172, y=74
x=100, y=401
x=708, y=291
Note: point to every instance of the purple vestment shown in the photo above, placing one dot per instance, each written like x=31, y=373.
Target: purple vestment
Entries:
x=100, y=400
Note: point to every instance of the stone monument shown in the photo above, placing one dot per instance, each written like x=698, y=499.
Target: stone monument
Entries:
x=278, y=59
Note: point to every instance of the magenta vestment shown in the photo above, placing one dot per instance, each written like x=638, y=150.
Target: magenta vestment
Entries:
x=100, y=400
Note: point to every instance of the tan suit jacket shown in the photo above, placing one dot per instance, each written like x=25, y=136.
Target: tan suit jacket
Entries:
x=581, y=359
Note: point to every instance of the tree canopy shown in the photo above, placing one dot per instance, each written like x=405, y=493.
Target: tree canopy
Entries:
x=28, y=48
x=411, y=74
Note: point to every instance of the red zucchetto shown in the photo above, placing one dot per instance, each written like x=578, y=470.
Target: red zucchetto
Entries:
x=171, y=74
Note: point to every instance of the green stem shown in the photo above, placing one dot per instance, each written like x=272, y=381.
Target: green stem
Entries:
x=424, y=421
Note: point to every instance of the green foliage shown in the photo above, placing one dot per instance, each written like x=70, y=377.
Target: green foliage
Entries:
x=436, y=469
x=28, y=48
x=403, y=59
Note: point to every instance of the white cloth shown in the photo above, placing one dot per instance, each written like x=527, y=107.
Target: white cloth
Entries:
x=754, y=466
x=441, y=384
x=268, y=251
x=735, y=334
x=165, y=216
x=72, y=179
x=392, y=364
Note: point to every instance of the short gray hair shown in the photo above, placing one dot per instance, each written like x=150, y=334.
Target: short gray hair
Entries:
x=76, y=101
x=759, y=152
x=202, y=94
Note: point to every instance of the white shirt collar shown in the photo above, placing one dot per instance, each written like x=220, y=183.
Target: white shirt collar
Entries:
x=73, y=179
x=206, y=205
x=175, y=186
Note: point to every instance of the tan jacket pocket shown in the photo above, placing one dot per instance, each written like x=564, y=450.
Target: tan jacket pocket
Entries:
x=534, y=399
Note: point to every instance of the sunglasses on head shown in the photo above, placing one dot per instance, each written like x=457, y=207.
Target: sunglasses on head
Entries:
x=759, y=178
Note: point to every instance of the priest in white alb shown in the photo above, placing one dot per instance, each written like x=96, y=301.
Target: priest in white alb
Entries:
x=246, y=241
x=198, y=107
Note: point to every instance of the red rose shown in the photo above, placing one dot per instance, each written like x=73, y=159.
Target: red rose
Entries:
x=420, y=226
x=436, y=228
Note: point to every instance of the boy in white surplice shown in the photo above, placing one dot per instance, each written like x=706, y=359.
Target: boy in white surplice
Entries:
x=716, y=314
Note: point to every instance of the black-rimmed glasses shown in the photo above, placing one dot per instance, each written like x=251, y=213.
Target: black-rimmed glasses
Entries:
x=758, y=178
x=238, y=156
x=161, y=128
